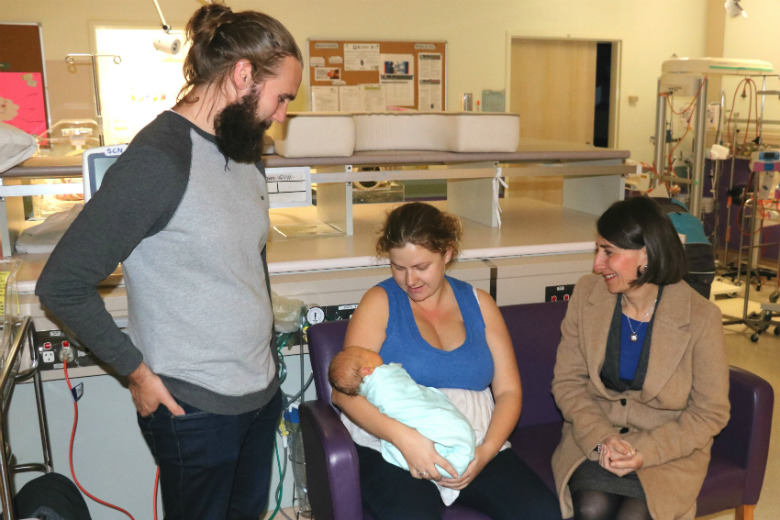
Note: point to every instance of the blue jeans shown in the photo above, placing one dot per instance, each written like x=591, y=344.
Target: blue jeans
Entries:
x=213, y=467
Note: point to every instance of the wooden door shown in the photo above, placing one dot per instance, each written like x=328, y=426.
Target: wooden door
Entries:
x=553, y=88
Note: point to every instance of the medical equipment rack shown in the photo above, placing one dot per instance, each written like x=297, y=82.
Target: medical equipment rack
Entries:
x=758, y=323
x=21, y=338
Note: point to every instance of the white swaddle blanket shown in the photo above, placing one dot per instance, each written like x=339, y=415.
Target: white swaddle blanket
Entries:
x=455, y=419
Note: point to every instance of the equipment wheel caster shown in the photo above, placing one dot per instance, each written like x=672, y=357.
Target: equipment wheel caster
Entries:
x=754, y=338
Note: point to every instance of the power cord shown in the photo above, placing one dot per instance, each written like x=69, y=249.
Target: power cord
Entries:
x=156, y=487
x=73, y=436
x=284, y=339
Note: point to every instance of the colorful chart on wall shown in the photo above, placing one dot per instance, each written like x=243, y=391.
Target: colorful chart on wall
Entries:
x=22, y=101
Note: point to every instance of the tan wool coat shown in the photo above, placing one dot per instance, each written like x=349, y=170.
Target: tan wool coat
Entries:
x=671, y=421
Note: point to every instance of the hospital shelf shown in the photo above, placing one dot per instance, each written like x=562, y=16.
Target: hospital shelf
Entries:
x=592, y=177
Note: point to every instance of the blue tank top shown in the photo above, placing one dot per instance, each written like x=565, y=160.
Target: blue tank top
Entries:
x=470, y=366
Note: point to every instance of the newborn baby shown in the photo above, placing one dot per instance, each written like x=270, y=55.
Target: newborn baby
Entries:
x=361, y=371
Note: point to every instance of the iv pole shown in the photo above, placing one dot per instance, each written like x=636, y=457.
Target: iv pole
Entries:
x=70, y=59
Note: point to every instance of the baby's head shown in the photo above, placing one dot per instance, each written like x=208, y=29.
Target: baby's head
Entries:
x=349, y=367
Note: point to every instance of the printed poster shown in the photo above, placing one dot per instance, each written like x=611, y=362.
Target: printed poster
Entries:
x=397, y=79
x=361, y=56
x=22, y=101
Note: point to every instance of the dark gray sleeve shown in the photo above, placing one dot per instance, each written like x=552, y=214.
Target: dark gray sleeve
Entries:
x=137, y=198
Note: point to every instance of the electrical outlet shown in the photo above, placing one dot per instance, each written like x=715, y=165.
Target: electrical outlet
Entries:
x=340, y=312
x=556, y=293
x=55, y=347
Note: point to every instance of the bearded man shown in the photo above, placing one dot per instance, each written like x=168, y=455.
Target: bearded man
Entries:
x=185, y=210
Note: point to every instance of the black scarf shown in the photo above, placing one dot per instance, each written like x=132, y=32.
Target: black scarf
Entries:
x=610, y=372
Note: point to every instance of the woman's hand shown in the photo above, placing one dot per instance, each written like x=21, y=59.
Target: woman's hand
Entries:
x=618, y=456
x=481, y=458
x=421, y=456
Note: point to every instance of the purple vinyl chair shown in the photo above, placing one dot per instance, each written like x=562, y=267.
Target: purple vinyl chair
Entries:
x=734, y=478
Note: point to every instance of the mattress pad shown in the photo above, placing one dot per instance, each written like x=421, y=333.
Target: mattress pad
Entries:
x=340, y=134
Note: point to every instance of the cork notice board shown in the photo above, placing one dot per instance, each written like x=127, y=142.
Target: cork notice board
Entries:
x=374, y=76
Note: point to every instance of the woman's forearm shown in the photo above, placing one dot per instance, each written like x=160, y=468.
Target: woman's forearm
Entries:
x=368, y=416
x=505, y=416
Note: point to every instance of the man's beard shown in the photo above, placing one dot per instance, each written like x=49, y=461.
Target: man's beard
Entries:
x=239, y=131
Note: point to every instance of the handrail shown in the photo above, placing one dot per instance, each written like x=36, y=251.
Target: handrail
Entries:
x=23, y=333
x=12, y=360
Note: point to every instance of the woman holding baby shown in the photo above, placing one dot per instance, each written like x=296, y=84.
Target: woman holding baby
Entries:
x=451, y=336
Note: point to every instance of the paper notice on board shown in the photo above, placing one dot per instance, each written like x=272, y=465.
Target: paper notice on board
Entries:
x=349, y=99
x=397, y=79
x=429, y=94
x=398, y=92
x=429, y=78
x=327, y=74
x=325, y=99
x=430, y=66
x=361, y=56
x=372, y=98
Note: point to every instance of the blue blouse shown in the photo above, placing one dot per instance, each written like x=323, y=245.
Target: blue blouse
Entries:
x=630, y=350
x=470, y=366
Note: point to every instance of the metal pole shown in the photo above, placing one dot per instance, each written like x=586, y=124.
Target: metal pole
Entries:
x=729, y=202
x=43, y=425
x=165, y=25
x=760, y=122
x=751, y=253
x=5, y=473
x=698, y=150
x=95, y=83
x=660, y=133
x=98, y=110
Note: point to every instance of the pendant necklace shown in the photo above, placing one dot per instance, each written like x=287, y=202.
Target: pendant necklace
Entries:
x=635, y=333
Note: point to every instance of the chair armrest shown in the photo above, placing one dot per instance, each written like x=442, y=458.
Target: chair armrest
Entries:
x=745, y=439
x=332, y=474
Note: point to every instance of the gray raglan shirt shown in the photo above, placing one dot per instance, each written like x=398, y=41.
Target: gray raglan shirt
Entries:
x=190, y=229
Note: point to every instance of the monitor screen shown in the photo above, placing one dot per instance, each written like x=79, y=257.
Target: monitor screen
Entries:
x=95, y=164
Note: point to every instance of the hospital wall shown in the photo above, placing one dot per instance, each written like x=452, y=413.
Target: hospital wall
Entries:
x=477, y=32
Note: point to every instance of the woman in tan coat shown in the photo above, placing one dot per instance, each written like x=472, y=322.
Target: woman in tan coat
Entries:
x=641, y=376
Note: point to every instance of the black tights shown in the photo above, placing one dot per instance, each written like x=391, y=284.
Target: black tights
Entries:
x=590, y=504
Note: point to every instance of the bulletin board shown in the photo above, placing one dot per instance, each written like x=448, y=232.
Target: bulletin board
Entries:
x=22, y=90
x=375, y=76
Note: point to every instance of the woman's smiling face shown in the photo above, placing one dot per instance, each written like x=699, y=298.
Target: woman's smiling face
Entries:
x=618, y=266
x=418, y=271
